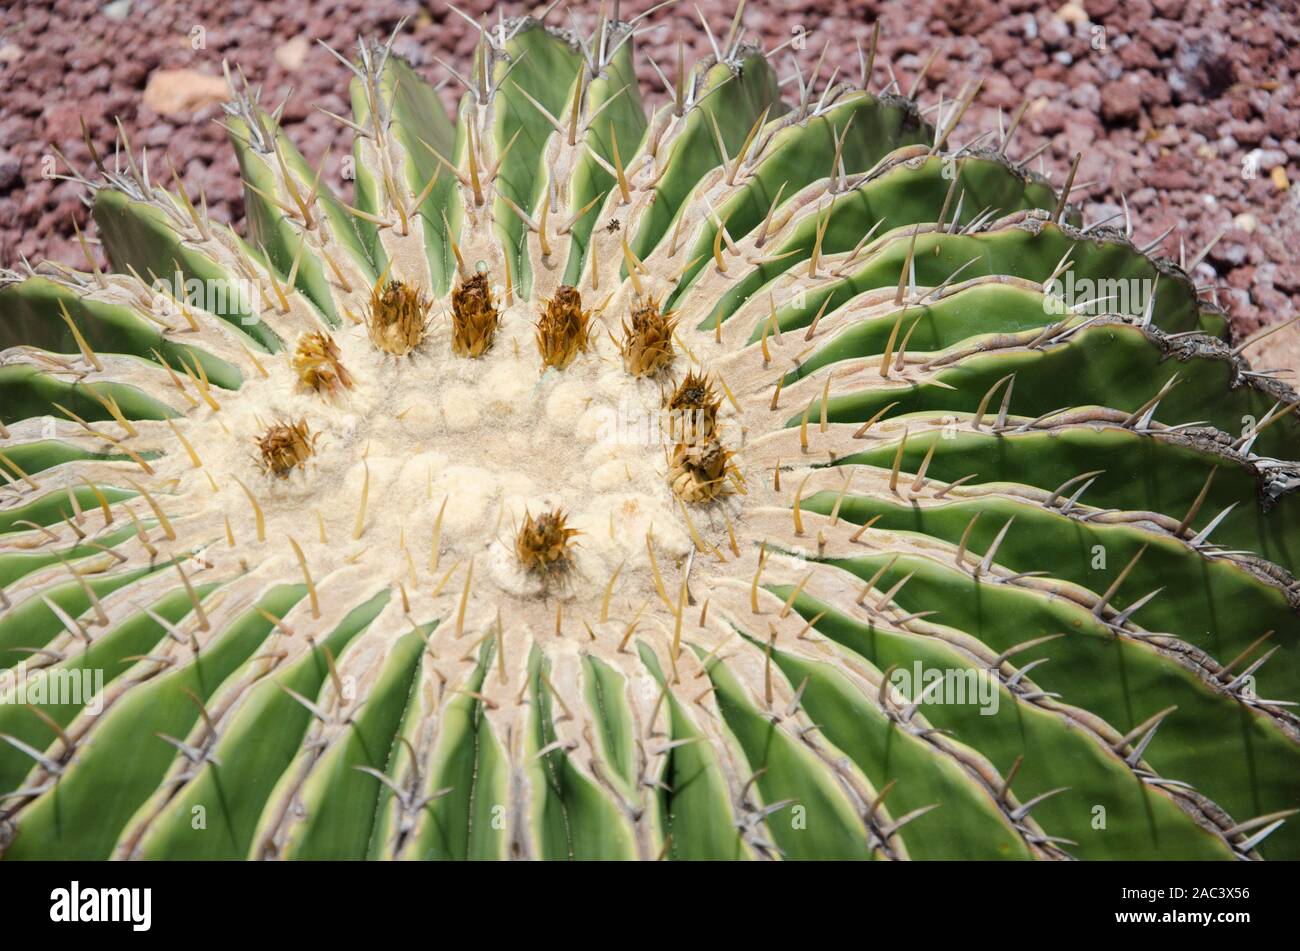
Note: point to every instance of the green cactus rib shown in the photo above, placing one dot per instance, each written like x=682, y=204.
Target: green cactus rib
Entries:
x=423, y=132
x=53, y=507
x=553, y=69
x=277, y=176
x=109, y=655
x=31, y=625
x=16, y=566
x=791, y=775
x=340, y=522
x=802, y=149
x=887, y=753
x=139, y=237
x=615, y=100
x=974, y=313
x=1123, y=681
x=82, y=814
x=910, y=188
x=107, y=328
x=264, y=733
x=1222, y=613
x=29, y=393
x=33, y=458
x=733, y=96
x=694, y=804
x=1137, y=474
x=574, y=818
x=1028, y=248
x=270, y=231
x=341, y=799
x=468, y=775
x=1203, y=384
x=1054, y=751
x=605, y=695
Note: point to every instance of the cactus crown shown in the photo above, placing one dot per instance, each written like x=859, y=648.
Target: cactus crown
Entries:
x=846, y=456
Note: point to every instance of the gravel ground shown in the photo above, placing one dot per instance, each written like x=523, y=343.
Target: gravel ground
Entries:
x=1186, y=107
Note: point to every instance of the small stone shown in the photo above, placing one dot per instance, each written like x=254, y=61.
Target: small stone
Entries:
x=1280, y=181
x=1121, y=102
x=1168, y=137
x=1280, y=349
x=1247, y=133
x=63, y=124
x=118, y=10
x=10, y=52
x=182, y=92
x=1270, y=159
x=1156, y=92
x=1288, y=278
x=1231, y=254
x=1045, y=117
x=1241, y=278
x=10, y=170
x=1000, y=91
x=1245, y=222
x=1078, y=137
x=1072, y=13
x=291, y=55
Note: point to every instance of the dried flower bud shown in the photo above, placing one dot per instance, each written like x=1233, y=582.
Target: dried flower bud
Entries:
x=474, y=318
x=544, y=543
x=564, y=329
x=285, y=447
x=398, y=317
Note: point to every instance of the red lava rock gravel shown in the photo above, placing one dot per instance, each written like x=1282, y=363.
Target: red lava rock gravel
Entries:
x=1186, y=107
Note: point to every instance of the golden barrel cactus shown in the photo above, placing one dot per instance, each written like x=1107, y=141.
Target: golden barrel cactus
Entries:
x=901, y=535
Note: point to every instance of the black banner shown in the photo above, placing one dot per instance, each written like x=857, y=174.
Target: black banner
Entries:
x=131, y=901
